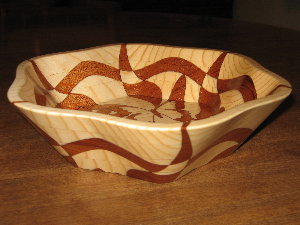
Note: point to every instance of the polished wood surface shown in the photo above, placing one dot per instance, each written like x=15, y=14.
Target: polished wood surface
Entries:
x=114, y=89
x=259, y=184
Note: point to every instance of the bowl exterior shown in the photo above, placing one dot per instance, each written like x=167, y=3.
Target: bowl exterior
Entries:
x=156, y=155
x=236, y=94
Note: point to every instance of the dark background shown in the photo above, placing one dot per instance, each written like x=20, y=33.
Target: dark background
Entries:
x=48, y=26
x=32, y=13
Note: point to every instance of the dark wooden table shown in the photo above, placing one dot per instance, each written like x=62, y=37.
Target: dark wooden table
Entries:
x=259, y=184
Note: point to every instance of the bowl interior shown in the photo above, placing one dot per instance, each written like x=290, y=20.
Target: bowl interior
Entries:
x=145, y=82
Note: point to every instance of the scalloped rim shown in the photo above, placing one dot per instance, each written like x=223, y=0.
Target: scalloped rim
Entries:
x=280, y=94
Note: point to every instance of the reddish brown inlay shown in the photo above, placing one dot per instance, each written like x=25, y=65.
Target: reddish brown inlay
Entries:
x=39, y=98
x=84, y=70
x=178, y=91
x=133, y=115
x=71, y=160
x=124, y=63
x=145, y=90
x=41, y=76
x=243, y=83
x=97, y=143
x=177, y=94
x=279, y=86
x=174, y=64
x=207, y=111
x=225, y=153
x=214, y=70
x=212, y=100
x=116, y=110
x=185, y=114
x=238, y=135
x=77, y=102
x=186, y=151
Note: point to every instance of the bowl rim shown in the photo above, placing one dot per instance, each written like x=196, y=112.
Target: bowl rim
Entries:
x=279, y=94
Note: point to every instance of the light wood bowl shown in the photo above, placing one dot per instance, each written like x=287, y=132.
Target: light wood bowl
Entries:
x=148, y=111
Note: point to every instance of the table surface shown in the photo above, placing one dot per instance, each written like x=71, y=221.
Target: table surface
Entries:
x=259, y=184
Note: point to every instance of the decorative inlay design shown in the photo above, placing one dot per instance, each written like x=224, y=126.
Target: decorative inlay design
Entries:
x=150, y=169
x=166, y=89
x=209, y=100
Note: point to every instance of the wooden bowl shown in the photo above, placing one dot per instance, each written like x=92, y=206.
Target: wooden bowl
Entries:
x=148, y=111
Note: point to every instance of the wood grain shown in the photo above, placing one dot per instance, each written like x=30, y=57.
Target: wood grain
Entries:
x=257, y=185
x=161, y=153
